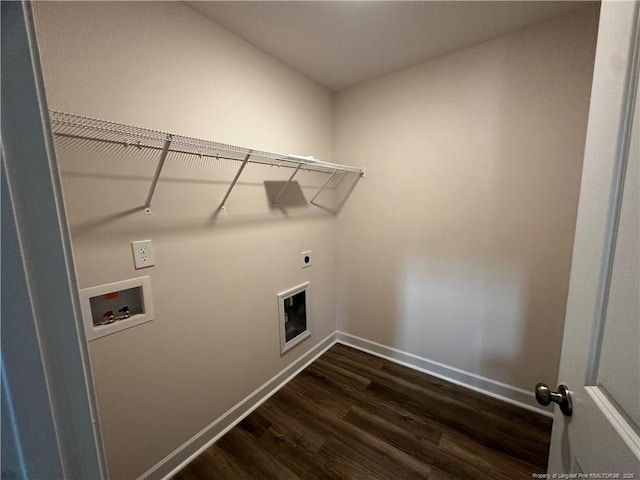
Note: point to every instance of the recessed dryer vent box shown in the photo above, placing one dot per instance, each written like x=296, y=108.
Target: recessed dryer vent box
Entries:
x=294, y=316
x=114, y=307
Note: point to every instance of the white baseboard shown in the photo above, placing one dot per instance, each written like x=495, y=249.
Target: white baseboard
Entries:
x=487, y=386
x=188, y=451
x=193, y=447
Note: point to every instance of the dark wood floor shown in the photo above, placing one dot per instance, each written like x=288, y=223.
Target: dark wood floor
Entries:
x=351, y=415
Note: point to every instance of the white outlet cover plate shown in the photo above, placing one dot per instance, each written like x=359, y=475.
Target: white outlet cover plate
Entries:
x=306, y=259
x=143, y=256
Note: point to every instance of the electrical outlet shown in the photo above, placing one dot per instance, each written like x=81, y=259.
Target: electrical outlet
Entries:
x=305, y=258
x=143, y=254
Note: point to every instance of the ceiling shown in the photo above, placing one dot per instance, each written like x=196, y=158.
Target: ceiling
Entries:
x=342, y=43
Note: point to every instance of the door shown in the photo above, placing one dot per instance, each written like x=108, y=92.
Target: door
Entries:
x=601, y=345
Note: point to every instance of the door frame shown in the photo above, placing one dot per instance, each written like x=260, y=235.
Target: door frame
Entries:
x=47, y=385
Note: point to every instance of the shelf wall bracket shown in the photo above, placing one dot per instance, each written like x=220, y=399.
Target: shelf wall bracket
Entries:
x=344, y=175
x=161, y=160
x=323, y=186
x=275, y=200
x=233, y=182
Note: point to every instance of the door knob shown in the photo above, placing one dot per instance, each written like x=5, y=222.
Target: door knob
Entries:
x=562, y=397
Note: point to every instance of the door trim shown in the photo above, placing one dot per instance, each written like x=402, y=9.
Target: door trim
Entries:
x=53, y=321
x=615, y=202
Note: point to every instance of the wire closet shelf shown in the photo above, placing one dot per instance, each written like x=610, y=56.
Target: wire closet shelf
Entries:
x=80, y=127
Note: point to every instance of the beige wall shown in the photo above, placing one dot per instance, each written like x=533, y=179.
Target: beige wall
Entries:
x=215, y=337
x=457, y=245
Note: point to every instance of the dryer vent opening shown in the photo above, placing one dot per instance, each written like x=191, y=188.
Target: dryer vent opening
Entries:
x=294, y=316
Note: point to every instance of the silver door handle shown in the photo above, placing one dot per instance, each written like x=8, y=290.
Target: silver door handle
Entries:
x=562, y=397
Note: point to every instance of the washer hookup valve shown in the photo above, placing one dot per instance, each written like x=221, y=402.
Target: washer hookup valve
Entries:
x=108, y=317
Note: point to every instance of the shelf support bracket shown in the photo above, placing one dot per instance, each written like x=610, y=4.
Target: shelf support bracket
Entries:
x=323, y=186
x=275, y=200
x=344, y=175
x=154, y=182
x=234, y=181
